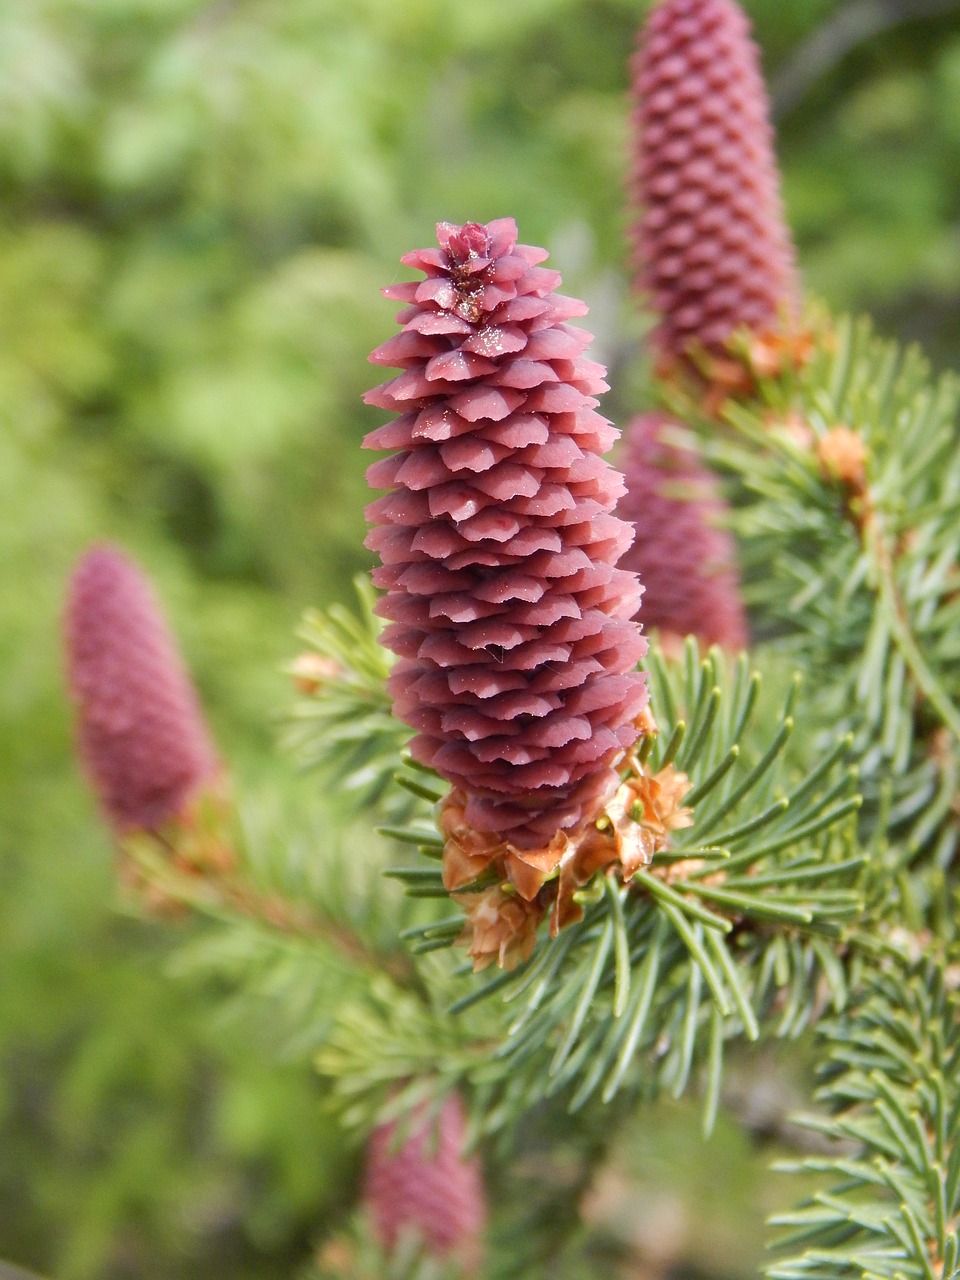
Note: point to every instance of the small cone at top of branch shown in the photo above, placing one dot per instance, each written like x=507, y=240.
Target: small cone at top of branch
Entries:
x=712, y=252
x=498, y=544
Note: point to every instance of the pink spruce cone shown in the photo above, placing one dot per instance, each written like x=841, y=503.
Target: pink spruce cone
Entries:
x=427, y=1185
x=685, y=558
x=517, y=649
x=140, y=730
x=712, y=249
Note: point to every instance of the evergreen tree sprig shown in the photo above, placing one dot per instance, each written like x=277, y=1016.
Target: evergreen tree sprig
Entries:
x=850, y=485
x=856, y=487
x=890, y=1207
x=733, y=928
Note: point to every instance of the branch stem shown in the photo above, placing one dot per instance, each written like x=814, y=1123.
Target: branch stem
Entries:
x=926, y=681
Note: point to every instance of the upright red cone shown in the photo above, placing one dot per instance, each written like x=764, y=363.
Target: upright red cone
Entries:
x=427, y=1186
x=684, y=556
x=140, y=730
x=712, y=250
x=514, y=631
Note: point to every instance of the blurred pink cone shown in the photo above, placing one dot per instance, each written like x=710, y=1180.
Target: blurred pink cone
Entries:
x=427, y=1186
x=711, y=248
x=684, y=556
x=140, y=730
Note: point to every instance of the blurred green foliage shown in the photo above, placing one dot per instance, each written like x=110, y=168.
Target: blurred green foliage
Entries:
x=199, y=200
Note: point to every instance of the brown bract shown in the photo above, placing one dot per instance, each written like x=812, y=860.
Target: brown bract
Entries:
x=501, y=926
x=313, y=672
x=503, y=917
x=468, y=854
x=159, y=868
x=737, y=368
x=644, y=812
x=843, y=454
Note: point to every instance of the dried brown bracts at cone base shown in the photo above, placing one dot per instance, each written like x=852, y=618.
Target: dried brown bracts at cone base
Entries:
x=512, y=624
x=522, y=887
x=140, y=730
x=427, y=1185
x=711, y=247
x=684, y=556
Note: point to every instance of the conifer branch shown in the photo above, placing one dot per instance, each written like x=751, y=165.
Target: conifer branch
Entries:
x=896, y=616
x=341, y=725
x=738, y=914
x=850, y=486
x=298, y=921
x=891, y=1203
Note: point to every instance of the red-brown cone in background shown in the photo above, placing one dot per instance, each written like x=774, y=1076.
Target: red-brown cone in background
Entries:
x=712, y=250
x=427, y=1186
x=685, y=558
x=513, y=627
x=140, y=730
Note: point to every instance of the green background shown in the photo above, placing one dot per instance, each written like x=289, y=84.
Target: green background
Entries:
x=199, y=202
